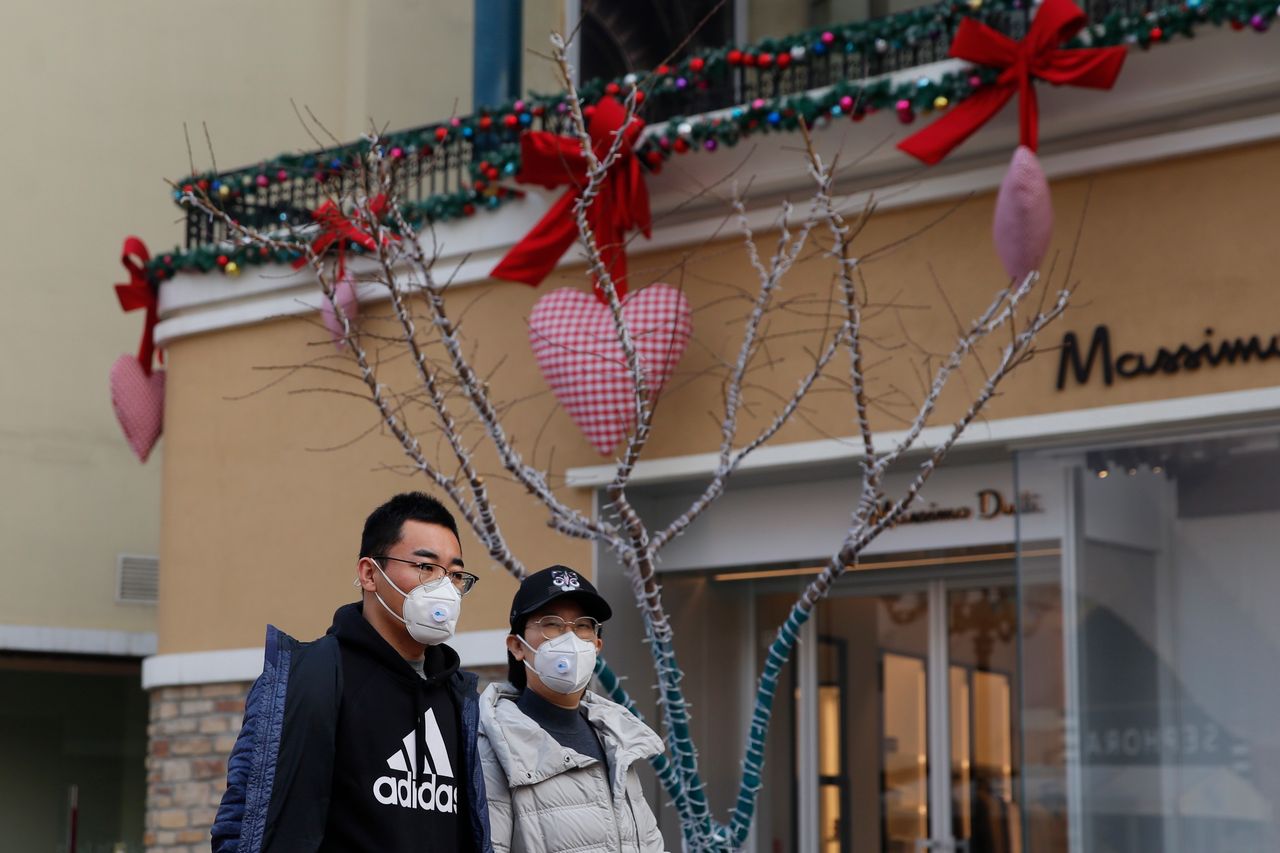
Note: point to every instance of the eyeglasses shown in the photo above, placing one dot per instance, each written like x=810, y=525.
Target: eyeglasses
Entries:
x=427, y=572
x=585, y=628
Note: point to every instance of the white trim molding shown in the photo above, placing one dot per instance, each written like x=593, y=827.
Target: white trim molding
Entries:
x=1075, y=425
x=481, y=648
x=76, y=641
x=216, y=667
x=475, y=648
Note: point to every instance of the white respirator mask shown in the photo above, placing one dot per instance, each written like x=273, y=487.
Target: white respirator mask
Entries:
x=564, y=664
x=431, y=609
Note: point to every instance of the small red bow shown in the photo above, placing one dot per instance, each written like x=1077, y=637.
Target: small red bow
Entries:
x=138, y=293
x=622, y=203
x=337, y=229
x=1037, y=55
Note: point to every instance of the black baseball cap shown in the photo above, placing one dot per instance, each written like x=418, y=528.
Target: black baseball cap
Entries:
x=541, y=588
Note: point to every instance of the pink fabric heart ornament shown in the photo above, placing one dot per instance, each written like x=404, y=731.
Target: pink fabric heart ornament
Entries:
x=139, y=403
x=344, y=293
x=1023, y=222
x=574, y=341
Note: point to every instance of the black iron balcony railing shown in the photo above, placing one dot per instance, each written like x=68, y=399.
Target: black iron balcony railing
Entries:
x=455, y=168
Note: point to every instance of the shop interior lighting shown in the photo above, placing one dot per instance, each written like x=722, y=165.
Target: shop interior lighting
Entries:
x=1131, y=461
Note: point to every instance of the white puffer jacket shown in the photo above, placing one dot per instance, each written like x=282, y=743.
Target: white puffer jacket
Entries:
x=547, y=798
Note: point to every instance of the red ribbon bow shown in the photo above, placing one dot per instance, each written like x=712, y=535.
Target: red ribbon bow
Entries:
x=622, y=203
x=337, y=229
x=1037, y=55
x=138, y=293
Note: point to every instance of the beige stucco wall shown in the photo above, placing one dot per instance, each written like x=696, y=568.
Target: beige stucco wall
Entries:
x=96, y=99
x=410, y=61
x=258, y=526
x=261, y=524
x=541, y=17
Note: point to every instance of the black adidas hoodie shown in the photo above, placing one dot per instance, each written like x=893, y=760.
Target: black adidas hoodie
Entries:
x=398, y=779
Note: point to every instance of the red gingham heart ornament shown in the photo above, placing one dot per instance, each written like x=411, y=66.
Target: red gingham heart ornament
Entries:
x=577, y=349
x=139, y=403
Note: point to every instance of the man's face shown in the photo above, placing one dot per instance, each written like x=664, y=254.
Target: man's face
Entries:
x=420, y=542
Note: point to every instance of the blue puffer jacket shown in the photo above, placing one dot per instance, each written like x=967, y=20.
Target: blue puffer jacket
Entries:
x=280, y=770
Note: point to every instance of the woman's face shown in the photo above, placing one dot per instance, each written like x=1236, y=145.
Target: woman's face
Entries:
x=567, y=609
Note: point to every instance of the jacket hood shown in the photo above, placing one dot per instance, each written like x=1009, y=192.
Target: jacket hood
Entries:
x=354, y=632
x=528, y=754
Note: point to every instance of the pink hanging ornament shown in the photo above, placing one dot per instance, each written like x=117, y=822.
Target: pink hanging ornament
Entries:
x=137, y=393
x=344, y=293
x=138, y=400
x=1023, y=223
x=574, y=341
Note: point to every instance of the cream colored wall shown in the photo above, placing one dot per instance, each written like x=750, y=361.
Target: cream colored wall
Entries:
x=259, y=527
x=96, y=98
x=410, y=61
x=1166, y=249
x=541, y=17
x=262, y=523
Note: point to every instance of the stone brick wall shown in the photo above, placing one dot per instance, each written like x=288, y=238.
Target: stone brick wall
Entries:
x=191, y=733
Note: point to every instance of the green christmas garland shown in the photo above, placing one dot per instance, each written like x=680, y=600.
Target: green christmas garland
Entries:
x=494, y=132
x=910, y=99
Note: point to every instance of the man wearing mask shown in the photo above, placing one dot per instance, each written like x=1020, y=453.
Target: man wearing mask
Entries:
x=559, y=761
x=365, y=740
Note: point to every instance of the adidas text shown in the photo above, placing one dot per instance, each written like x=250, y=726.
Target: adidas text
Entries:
x=428, y=796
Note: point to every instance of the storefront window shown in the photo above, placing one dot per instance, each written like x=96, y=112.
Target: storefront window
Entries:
x=902, y=730
x=1148, y=714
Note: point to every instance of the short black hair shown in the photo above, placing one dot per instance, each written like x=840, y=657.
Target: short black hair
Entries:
x=384, y=526
x=515, y=668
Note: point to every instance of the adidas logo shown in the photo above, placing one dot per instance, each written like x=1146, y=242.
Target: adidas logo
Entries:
x=406, y=791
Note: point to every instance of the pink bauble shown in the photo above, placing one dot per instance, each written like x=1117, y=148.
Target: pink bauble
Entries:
x=1023, y=224
x=344, y=293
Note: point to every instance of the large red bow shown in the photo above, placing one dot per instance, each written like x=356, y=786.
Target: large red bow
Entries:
x=1037, y=55
x=137, y=293
x=622, y=204
x=337, y=229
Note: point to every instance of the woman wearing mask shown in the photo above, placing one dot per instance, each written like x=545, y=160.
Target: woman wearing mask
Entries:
x=559, y=761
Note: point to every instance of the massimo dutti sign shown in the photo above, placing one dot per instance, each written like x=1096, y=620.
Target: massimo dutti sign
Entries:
x=991, y=504
x=1102, y=360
